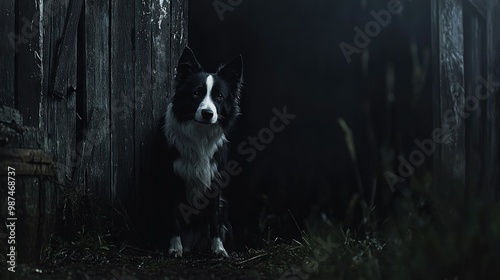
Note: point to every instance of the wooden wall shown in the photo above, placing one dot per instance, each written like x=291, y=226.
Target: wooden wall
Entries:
x=465, y=50
x=94, y=77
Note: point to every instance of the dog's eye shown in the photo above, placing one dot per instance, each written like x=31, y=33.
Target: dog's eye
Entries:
x=196, y=93
x=219, y=97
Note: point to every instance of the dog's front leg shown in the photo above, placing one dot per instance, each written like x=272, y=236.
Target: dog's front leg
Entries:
x=215, y=234
x=175, y=248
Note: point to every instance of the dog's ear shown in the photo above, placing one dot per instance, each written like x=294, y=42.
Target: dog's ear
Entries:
x=188, y=64
x=232, y=72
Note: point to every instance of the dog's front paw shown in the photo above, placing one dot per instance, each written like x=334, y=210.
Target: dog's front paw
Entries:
x=221, y=253
x=218, y=248
x=175, y=247
x=175, y=253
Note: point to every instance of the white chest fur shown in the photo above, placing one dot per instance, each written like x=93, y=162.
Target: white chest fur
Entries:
x=197, y=144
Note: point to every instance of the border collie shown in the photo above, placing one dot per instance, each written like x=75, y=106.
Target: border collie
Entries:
x=199, y=115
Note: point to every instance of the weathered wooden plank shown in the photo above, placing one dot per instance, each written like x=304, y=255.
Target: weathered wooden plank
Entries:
x=97, y=132
x=494, y=105
x=163, y=71
x=65, y=59
x=449, y=96
x=165, y=33
x=122, y=101
x=26, y=155
x=33, y=138
x=491, y=180
x=47, y=219
x=59, y=115
x=28, y=62
x=436, y=102
x=161, y=56
x=144, y=103
x=28, y=214
x=31, y=169
x=179, y=33
x=475, y=124
x=7, y=49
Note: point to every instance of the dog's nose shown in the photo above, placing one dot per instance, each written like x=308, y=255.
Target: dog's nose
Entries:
x=207, y=114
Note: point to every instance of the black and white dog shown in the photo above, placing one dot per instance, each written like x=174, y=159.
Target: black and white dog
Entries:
x=199, y=115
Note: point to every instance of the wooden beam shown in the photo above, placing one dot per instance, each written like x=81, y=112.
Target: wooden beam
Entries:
x=29, y=169
x=26, y=155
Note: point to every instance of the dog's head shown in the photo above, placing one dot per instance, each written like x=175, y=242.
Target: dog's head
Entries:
x=207, y=98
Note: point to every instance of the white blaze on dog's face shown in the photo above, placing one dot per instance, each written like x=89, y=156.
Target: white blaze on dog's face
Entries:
x=207, y=111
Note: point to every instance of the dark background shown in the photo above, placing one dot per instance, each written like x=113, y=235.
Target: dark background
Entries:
x=81, y=101
x=292, y=58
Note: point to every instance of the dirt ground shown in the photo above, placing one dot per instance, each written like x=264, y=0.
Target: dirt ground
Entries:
x=424, y=252
x=275, y=262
